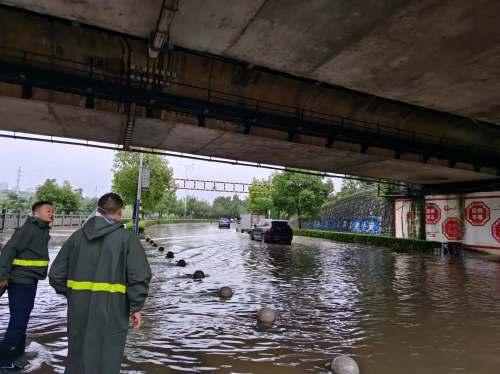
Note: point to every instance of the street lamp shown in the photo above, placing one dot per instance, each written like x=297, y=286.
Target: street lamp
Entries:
x=187, y=167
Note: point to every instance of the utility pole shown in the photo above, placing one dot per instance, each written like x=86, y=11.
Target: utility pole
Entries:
x=138, y=204
x=187, y=167
x=18, y=179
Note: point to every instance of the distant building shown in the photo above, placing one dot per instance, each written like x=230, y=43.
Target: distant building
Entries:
x=4, y=186
x=30, y=189
x=13, y=188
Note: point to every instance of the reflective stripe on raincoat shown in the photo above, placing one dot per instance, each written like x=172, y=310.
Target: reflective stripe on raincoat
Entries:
x=104, y=272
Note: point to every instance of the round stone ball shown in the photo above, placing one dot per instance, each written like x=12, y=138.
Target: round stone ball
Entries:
x=198, y=274
x=155, y=245
x=170, y=255
x=181, y=263
x=344, y=365
x=161, y=249
x=225, y=292
x=147, y=239
x=266, y=315
x=151, y=242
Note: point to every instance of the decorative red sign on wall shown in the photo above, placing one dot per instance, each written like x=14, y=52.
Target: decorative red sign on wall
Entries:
x=409, y=216
x=432, y=214
x=495, y=230
x=452, y=229
x=477, y=214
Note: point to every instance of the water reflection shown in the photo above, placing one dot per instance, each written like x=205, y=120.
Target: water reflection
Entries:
x=393, y=311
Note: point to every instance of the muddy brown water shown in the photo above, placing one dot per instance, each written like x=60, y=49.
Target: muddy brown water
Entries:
x=392, y=312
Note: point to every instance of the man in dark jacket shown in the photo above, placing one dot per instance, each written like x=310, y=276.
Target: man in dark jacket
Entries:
x=103, y=271
x=23, y=263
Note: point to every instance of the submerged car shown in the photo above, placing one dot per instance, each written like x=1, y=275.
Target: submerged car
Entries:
x=272, y=231
x=224, y=222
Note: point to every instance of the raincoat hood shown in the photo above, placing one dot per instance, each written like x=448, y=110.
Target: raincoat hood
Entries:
x=98, y=227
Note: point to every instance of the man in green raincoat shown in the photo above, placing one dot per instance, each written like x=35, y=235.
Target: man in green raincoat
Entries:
x=24, y=261
x=103, y=271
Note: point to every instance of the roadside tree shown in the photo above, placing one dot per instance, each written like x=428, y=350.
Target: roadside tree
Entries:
x=126, y=173
x=301, y=194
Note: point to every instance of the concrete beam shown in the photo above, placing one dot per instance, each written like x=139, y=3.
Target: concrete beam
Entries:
x=42, y=118
x=216, y=139
x=435, y=54
x=132, y=17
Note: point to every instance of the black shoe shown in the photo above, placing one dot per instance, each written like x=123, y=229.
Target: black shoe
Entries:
x=18, y=351
x=10, y=368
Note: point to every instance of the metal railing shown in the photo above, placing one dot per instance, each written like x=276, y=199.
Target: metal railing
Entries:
x=154, y=82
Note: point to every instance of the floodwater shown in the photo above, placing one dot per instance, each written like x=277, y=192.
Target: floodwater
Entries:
x=392, y=312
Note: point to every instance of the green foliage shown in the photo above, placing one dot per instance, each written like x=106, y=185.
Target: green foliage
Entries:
x=197, y=208
x=300, y=193
x=349, y=186
x=168, y=203
x=228, y=207
x=126, y=173
x=355, y=194
x=13, y=203
x=89, y=204
x=64, y=197
x=201, y=209
x=374, y=240
x=256, y=202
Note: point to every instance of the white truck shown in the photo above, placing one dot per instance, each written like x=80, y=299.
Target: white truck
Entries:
x=249, y=220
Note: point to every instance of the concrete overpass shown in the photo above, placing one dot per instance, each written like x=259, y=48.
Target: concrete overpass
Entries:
x=259, y=81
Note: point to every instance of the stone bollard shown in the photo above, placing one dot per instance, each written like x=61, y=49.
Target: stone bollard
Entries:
x=181, y=263
x=151, y=242
x=266, y=315
x=170, y=255
x=198, y=274
x=344, y=365
x=155, y=245
x=147, y=240
x=225, y=292
x=161, y=249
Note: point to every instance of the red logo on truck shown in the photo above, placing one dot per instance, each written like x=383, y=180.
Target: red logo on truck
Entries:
x=477, y=214
x=452, y=229
x=432, y=214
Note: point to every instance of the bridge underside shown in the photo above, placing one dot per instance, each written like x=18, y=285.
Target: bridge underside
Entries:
x=217, y=139
x=80, y=82
x=436, y=54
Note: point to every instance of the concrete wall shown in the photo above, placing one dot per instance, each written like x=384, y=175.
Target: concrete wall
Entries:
x=473, y=219
x=363, y=214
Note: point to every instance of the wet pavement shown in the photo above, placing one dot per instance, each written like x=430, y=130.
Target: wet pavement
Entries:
x=393, y=312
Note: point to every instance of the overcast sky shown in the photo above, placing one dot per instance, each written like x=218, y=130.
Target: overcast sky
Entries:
x=87, y=168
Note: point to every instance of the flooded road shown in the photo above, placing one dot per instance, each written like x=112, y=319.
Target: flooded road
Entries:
x=393, y=312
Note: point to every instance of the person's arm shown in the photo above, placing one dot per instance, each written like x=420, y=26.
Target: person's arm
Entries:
x=138, y=275
x=58, y=274
x=18, y=243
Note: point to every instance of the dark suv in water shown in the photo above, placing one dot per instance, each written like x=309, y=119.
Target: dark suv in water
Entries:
x=224, y=222
x=272, y=231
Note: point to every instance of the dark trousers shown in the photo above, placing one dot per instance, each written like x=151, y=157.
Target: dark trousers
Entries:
x=21, y=302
